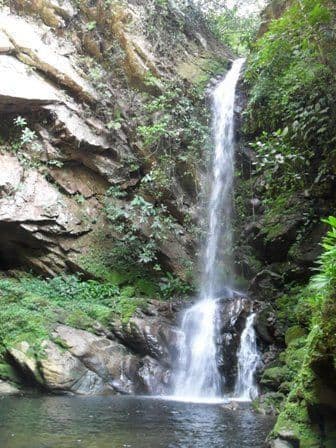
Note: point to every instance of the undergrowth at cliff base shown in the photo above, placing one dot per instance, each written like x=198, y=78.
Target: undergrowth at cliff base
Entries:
x=30, y=306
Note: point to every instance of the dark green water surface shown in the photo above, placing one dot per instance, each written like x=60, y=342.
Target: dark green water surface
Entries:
x=126, y=422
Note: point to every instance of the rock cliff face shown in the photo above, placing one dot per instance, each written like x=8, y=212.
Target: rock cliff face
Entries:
x=80, y=75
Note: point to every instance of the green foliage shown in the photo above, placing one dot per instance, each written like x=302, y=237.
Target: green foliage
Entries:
x=178, y=120
x=325, y=282
x=174, y=128
x=171, y=286
x=292, y=79
x=27, y=135
x=31, y=306
x=131, y=247
x=233, y=29
x=90, y=26
x=305, y=356
x=277, y=158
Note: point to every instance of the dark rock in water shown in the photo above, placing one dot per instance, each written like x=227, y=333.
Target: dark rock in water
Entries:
x=231, y=321
x=232, y=406
x=153, y=377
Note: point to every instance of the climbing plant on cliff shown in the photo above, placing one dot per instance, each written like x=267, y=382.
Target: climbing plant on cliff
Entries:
x=292, y=75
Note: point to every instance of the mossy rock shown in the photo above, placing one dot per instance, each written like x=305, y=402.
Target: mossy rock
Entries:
x=274, y=377
x=269, y=403
x=8, y=373
x=294, y=425
x=294, y=333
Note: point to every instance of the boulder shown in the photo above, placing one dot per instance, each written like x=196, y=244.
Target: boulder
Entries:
x=25, y=361
x=7, y=388
x=57, y=370
x=61, y=371
x=85, y=363
x=153, y=377
x=110, y=360
x=274, y=376
x=147, y=335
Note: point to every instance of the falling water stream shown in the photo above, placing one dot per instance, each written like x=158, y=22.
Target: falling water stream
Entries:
x=248, y=360
x=197, y=376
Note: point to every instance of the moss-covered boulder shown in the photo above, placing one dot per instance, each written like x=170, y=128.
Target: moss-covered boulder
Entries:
x=294, y=333
x=274, y=376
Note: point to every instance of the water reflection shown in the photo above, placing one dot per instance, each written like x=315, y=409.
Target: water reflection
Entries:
x=125, y=422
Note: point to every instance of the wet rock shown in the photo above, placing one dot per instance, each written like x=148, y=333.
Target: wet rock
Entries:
x=231, y=322
x=264, y=324
x=153, y=377
x=148, y=335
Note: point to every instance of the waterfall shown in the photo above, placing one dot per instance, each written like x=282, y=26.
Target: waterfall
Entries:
x=221, y=181
x=197, y=375
x=248, y=360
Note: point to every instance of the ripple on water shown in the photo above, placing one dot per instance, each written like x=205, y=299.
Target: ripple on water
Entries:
x=126, y=422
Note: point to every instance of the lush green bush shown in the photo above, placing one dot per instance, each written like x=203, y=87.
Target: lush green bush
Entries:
x=234, y=29
x=133, y=248
x=277, y=158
